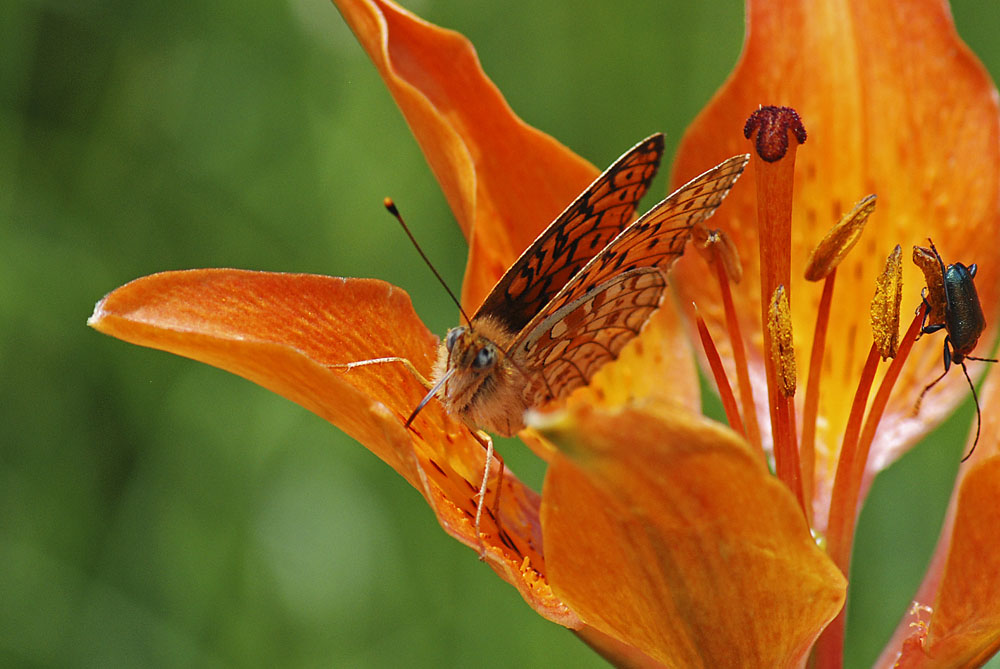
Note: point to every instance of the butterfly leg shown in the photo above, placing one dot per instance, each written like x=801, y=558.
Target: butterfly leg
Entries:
x=487, y=443
x=484, y=440
x=381, y=361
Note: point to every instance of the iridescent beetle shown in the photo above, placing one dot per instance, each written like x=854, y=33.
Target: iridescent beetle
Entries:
x=954, y=307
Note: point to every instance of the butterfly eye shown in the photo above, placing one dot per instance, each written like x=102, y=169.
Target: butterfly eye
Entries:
x=485, y=358
x=453, y=335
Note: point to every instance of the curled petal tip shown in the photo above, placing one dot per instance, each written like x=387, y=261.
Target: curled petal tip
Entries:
x=98, y=315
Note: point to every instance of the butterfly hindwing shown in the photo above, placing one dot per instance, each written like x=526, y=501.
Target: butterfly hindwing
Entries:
x=569, y=346
x=585, y=227
x=556, y=338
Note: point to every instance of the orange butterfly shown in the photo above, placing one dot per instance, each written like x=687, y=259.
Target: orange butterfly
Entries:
x=583, y=289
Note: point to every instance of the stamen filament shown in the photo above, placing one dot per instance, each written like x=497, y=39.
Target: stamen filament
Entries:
x=807, y=449
x=881, y=400
x=850, y=475
x=788, y=467
x=752, y=429
x=838, y=546
x=829, y=650
x=721, y=380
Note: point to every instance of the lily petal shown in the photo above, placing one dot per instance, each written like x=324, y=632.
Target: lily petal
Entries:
x=505, y=181
x=292, y=333
x=962, y=584
x=692, y=552
x=895, y=104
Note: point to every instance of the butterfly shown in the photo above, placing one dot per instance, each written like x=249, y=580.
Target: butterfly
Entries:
x=571, y=302
x=576, y=296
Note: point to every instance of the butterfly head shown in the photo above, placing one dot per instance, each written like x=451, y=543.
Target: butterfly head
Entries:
x=476, y=380
x=470, y=352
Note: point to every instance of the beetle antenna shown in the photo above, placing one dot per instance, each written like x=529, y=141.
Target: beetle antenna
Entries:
x=975, y=399
x=391, y=207
x=979, y=416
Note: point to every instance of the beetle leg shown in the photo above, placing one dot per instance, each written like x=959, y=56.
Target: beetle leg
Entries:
x=916, y=407
x=926, y=329
x=947, y=366
x=925, y=304
x=930, y=329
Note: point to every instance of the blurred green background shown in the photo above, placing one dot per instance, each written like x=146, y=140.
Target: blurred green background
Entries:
x=157, y=512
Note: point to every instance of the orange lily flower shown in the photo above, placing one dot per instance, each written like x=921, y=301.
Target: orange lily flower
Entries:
x=868, y=137
x=660, y=537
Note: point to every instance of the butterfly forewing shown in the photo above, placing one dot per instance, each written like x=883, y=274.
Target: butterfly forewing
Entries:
x=585, y=227
x=554, y=340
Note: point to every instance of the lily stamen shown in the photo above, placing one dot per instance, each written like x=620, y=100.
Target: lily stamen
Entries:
x=722, y=255
x=810, y=406
x=779, y=325
x=823, y=262
x=782, y=361
x=850, y=474
x=857, y=443
x=721, y=380
x=885, y=305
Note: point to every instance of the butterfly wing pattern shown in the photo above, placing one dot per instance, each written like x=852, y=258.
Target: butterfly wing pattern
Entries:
x=574, y=341
x=585, y=227
x=606, y=303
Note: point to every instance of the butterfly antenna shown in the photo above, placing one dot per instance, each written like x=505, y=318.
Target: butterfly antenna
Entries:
x=391, y=206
